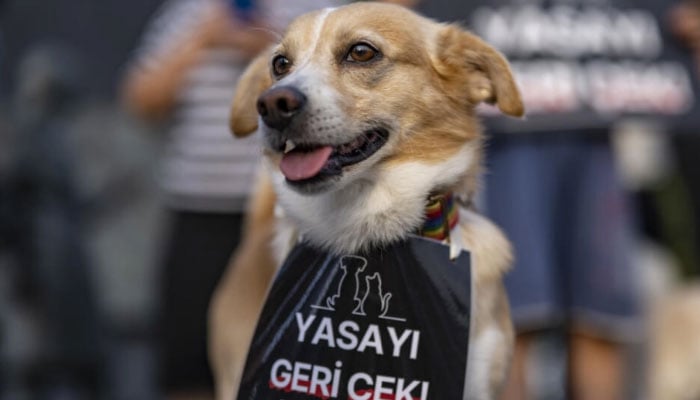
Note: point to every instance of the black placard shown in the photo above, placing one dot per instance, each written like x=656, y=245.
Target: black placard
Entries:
x=390, y=323
x=582, y=64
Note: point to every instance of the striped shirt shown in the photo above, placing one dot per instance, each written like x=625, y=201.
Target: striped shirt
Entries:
x=205, y=168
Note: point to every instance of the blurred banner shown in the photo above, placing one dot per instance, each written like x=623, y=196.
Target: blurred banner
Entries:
x=584, y=63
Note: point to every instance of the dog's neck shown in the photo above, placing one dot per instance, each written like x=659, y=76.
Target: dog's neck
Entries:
x=382, y=208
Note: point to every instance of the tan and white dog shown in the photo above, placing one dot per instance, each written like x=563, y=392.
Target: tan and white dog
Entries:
x=365, y=111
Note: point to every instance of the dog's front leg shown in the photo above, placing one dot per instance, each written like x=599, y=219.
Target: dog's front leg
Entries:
x=239, y=296
x=491, y=347
x=234, y=311
x=492, y=336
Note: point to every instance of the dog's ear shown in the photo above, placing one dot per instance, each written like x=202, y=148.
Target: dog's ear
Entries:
x=476, y=70
x=254, y=81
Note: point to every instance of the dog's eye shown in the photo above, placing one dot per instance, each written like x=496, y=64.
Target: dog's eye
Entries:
x=361, y=52
x=281, y=65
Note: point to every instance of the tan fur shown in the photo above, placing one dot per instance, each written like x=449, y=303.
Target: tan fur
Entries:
x=492, y=257
x=477, y=69
x=425, y=86
x=675, y=346
x=238, y=299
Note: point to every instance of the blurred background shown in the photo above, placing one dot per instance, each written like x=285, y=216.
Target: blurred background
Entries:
x=81, y=219
x=118, y=207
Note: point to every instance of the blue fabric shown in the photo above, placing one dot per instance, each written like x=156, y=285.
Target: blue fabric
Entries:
x=558, y=199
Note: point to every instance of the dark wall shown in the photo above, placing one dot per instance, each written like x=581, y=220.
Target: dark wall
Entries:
x=103, y=31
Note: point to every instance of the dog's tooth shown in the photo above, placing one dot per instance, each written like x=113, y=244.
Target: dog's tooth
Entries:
x=289, y=146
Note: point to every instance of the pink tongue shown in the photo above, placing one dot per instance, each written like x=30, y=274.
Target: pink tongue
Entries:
x=299, y=165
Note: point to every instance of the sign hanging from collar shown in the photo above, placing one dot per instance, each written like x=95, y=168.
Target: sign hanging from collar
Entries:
x=389, y=323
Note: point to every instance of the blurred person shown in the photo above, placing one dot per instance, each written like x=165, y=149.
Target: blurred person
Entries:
x=48, y=239
x=184, y=75
x=573, y=231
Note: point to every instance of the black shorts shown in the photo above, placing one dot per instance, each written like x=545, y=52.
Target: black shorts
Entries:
x=196, y=255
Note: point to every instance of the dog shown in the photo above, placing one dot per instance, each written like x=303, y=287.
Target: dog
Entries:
x=366, y=111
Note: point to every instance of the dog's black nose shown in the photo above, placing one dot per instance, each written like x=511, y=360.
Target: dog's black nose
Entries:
x=279, y=105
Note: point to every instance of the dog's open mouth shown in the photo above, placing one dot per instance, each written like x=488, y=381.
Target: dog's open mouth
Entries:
x=304, y=163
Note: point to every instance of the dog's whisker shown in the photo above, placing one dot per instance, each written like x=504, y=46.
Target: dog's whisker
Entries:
x=275, y=34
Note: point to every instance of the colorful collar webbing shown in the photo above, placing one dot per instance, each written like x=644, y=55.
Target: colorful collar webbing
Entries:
x=441, y=215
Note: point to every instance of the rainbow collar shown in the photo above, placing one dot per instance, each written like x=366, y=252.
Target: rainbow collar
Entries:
x=441, y=215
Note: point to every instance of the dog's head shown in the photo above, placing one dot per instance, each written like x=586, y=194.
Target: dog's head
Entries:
x=352, y=95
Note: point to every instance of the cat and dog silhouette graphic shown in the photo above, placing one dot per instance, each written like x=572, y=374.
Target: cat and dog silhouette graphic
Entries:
x=359, y=292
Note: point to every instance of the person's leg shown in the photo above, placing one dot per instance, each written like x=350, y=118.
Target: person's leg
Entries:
x=516, y=387
x=596, y=368
x=519, y=197
x=601, y=275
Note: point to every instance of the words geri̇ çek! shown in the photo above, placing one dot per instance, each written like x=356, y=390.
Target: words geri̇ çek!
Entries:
x=303, y=377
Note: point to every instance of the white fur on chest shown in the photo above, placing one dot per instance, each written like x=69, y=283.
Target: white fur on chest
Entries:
x=376, y=209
